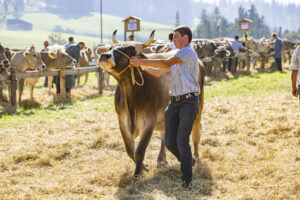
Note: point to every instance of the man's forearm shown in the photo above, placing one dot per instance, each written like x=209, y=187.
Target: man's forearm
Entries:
x=155, y=63
x=294, y=78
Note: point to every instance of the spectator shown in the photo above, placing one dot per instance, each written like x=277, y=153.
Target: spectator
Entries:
x=236, y=46
x=71, y=42
x=277, y=48
x=74, y=52
x=295, y=76
x=131, y=38
x=171, y=45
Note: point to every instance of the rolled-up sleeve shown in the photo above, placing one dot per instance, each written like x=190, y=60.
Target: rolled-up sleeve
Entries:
x=295, y=59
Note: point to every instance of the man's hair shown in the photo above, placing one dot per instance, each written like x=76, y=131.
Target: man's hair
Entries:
x=170, y=36
x=184, y=30
x=274, y=34
x=81, y=43
x=71, y=39
x=236, y=37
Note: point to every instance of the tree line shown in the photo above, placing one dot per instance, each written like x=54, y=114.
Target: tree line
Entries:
x=214, y=25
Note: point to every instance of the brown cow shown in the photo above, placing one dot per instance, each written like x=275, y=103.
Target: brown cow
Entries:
x=141, y=100
x=84, y=59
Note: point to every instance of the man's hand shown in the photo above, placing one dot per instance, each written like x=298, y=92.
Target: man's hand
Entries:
x=135, y=62
x=295, y=91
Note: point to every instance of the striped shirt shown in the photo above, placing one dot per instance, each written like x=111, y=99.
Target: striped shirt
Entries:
x=185, y=75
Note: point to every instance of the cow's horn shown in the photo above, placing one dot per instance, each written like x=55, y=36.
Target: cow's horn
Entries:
x=114, y=40
x=146, y=44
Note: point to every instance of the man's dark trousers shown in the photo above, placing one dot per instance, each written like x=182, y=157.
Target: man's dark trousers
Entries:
x=179, y=120
x=278, y=63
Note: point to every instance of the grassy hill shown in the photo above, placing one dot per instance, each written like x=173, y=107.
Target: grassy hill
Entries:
x=84, y=28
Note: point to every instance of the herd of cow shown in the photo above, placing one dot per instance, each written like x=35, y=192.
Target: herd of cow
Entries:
x=141, y=99
x=30, y=59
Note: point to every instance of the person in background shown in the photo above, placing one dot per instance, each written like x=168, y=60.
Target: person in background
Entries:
x=45, y=49
x=295, y=76
x=277, y=48
x=71, y=42
x=131, y=38
x=236, y=46
x=171, y=45
x=74, y=52
x=184, y=91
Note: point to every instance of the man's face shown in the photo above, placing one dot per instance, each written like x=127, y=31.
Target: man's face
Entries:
x=46, y=44
x=81, y=46
x=180, y=41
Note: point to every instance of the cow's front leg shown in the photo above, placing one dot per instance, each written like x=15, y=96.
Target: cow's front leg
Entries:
x=141, y=149
x=31, y=87
x=20, y=89
x=128, y=140
x=162, y=157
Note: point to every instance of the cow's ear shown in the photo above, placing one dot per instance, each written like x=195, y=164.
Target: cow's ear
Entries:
x=12, y=55
x=153, y=49
x=89, y=50
x=52, y=55
x=101, y=50
x=26, y=53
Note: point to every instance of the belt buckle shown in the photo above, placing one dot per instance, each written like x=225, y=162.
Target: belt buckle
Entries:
x=177, y=98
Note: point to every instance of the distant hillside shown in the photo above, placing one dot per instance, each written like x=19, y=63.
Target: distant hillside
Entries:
x=159, y=11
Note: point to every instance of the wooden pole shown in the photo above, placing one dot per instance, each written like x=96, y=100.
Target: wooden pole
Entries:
x=100, y=80
x=1, y=91
x=62, y=79
x=13, y=88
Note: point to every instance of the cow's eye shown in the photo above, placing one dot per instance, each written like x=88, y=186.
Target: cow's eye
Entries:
x=34, y=55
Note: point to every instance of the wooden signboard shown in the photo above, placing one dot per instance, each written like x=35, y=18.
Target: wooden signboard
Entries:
x=131, y=24
x=245, y=24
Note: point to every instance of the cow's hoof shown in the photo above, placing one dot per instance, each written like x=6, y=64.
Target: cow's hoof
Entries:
x=162, y=163
x=145, y=167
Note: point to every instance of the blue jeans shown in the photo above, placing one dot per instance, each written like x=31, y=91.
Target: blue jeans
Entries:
x=179, y=120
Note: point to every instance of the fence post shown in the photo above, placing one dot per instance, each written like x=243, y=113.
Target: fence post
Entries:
x=100, y=80
x=1, y=91
x=13, y=88
x=62, y=79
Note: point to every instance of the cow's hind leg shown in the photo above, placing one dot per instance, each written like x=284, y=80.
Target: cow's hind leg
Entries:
x=196, y=131
x=162, y=158
x=141, y=149
x=86, y=78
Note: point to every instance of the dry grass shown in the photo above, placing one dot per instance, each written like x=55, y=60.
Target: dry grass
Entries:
x=250, y=152
x=250, y=149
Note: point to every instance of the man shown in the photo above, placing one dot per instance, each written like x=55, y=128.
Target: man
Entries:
x=171, y=45
x=236, y=45
x=184, y=90
x=295, y=76
x=277, y=49
x=71, y=42
x=74, y=52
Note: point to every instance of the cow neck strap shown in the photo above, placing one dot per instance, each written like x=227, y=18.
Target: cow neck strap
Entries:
x=132, y=71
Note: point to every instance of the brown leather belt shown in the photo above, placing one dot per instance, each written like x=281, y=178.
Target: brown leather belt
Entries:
x=184, y=96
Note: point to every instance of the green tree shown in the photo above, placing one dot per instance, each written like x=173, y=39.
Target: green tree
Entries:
x=293, y=36
x=56, y=38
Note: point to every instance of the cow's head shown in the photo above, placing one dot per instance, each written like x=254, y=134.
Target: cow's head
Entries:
x=117, y=58
x=61, y=59
x=33, y=59
x=85, y=57
x=221, y=52
x=4, y=62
